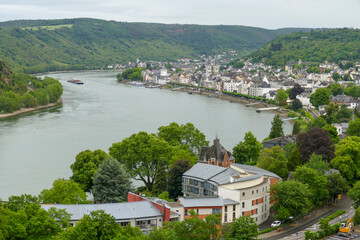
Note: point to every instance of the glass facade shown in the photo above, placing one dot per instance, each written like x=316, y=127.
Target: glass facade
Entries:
x=193, y=187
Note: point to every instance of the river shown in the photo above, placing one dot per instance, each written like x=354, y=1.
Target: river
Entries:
x=38, y=147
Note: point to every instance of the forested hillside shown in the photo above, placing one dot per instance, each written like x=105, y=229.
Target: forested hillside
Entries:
x=20, y=90
x=46, y=45
x=314, y=46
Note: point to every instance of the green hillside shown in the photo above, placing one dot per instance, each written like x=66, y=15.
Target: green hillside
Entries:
x=314, y=46
x=47, y=45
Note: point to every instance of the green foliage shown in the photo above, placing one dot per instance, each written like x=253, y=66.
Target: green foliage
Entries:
x=354, y=194
x=347, y=158
x=92, y=43
x=336, y=88
x=184, y=134
x=354, y=128
x=276, y=127
x=133, y=74
x=337, y=184
x=175, y=177
x=160, y=181
x=296, y=128
x=96, y=225
x=119, y=77
x=248, y=150
x=141, y=154
x=293, y=196
x=294, y=160
x=295, y=90
x=242, y=228
x=320, y=97
x=236, y=63
x=273, y=159
x=331, y=112
x=314, y=46
x=85, y=166
x=61, y=217
x=111, y=182
x=357, y=216
x=63, y=192
x=317, y=183
x=315, y=162
x=296, y=105
x=336, y=77
x=353, y=91
x=282, y=214
x=333, y=134
x=281, y=97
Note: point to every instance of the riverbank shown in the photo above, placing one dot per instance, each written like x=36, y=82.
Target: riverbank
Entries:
x=26, y=110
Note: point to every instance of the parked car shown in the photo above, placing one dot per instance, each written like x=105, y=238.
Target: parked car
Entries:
x=276, y=224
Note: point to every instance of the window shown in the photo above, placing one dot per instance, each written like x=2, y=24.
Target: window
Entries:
x=216, y=210
x=197, y=211
x=234, y=216
x=243, y=194
x=225, y=208
x=255, y=219
x=225, y=217
x=243, y=204
x=243, y=213
x=263, y=189
x=124, y=224
x=257, y=190
x=186, y=212
x=252, y=192
x=234, y=208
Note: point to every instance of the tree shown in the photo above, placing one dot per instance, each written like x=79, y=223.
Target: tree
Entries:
x=319, y=122
x=294, y=160
x=160, y=183
x=354, y=194
x=242, y=228
x=141, y=154
x=96, y=225
x=354, y=128
x=63, y=192
x=347, y=158
x=357, y=216
x=332, y=131
x=295, y=90
x=296, y=128
x=296, y=104
x=291, y=195
x=187, y=134
x=347, y=77
x=315, y=140
x=315, y=162
x=175, y=177
x=336, y=88
x=276, y=127
x=320, y=97
x=61, y=217
x=317, y=183
x=85, y=166
x=111, y=182
x=281, y=97
x=337, y=184
x=248, y=150
x=344, y=114
x=273, y=159
x=331, y=112
x=336, y=77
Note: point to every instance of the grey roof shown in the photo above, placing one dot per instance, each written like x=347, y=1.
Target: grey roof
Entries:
x=204, y=171
x=216, y=151
x=228, y=201
x=128, y=210
x=224, y=177
x=202, y=201
x=256, y=170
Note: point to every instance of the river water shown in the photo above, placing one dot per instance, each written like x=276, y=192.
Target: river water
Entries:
x=38, y=147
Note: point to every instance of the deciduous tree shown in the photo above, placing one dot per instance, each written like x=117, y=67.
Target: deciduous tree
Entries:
x=175, y=177
x=295, y=90
x=320, y=97
x=354, y=128
x=273, y=159
x=248, y=150
x=242, y=228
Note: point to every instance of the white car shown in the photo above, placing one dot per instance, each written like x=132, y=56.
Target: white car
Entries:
x=276, y=224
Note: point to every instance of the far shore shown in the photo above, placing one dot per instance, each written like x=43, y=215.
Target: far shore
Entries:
x=26, y=110
x=70, y=71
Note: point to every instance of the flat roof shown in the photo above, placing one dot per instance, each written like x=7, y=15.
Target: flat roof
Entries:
x=128, y=210
x=202, y=201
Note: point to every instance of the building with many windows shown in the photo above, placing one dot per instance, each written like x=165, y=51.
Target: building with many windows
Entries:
x=247, y=188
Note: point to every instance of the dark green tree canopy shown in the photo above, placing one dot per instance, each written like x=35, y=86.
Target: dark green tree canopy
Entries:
x=111, y=182
x=354, y=128
x=320, y=97
x=175, y=177
x=276, y=127
x=295, y=90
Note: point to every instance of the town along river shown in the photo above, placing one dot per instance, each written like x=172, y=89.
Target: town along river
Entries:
x=38, y=147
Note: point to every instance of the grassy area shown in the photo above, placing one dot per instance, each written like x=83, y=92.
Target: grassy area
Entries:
x=50, y=28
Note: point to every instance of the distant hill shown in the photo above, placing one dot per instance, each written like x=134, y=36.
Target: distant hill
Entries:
x=48, y=45
x=314, y=46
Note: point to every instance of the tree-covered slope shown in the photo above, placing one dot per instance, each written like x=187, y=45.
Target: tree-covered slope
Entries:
x=47, y=45
x=314, y=46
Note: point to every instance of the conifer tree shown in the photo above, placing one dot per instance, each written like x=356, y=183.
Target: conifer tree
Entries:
x=276, y=127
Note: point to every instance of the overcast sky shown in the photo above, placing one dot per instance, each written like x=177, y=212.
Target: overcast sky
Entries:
x=258, y=13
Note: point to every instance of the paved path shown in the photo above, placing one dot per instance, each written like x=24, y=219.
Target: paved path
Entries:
x=311, y=224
